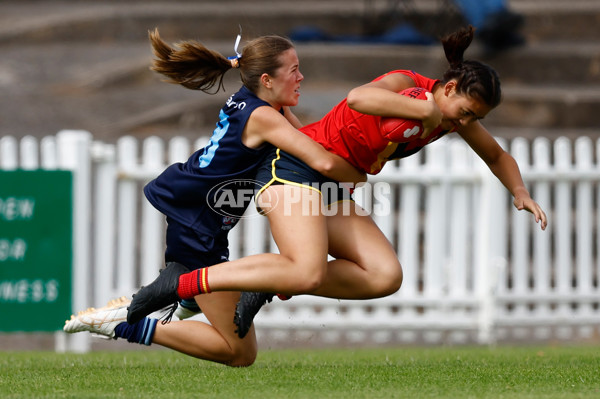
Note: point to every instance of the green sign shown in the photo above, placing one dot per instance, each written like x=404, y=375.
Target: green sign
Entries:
x=35, y=249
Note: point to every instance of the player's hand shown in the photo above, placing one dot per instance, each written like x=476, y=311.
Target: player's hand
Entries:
x=431, y=122
x=530, y=205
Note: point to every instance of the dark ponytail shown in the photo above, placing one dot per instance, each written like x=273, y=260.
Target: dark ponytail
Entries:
x=473, y=78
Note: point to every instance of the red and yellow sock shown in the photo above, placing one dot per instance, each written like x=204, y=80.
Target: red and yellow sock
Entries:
x=193, y=283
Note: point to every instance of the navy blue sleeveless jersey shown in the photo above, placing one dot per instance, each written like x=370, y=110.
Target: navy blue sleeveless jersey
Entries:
x=211, y=190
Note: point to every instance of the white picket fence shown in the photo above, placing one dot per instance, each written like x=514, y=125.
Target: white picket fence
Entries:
x=475, y=269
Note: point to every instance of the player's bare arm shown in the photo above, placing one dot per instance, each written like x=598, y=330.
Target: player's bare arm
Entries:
x=381, y=98
x=292, y=119
x=504, y=167
x=268, y=125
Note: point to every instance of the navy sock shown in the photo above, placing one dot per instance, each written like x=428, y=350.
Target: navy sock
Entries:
x=140, y=332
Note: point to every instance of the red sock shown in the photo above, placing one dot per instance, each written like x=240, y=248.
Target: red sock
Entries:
x=193, y=283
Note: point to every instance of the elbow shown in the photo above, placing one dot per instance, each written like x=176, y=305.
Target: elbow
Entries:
x=500, y=160
x=353, y=99
x=325, y=166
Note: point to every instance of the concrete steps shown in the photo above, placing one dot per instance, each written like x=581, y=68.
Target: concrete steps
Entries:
x=83, y=64
x=42, y=21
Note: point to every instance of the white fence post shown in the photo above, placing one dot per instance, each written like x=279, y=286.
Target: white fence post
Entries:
x=105, y=182
x=179, y=150
x=542, y=262
x=151, y=259
x=563, y=228
x=520, y=233
x=408, y=242
x=584, y=230
x=500, y=205
x=8, y=153
x=29, y=153
x=127, y=158
x=597, y=170
x=73, y=149
x=436, y=234
x=457, y=273
x=48, y=153
x=483, y=278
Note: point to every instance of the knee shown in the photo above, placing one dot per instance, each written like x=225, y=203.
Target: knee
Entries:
x=390, y=278
x=309, y=284
x=308, y=280
x=244, y=357
x=398, y=277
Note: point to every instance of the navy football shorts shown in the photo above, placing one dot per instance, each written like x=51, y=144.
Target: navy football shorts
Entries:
x=279, y=167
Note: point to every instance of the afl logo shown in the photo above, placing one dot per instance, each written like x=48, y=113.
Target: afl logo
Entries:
x=228, y=223
x=231, y=198
x=228, y=220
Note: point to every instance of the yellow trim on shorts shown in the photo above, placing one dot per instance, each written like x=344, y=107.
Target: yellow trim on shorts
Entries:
x=280, y=180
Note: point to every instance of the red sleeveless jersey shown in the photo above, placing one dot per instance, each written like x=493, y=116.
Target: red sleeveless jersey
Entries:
x=357, y=138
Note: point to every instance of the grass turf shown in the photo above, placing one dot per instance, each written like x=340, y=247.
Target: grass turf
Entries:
x=527, y=372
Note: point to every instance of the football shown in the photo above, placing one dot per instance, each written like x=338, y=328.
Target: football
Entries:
x=400, y=130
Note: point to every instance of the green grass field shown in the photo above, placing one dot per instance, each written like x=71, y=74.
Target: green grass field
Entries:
x=527, y=372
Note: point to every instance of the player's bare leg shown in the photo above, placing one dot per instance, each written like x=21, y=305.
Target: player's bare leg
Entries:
x=216, y=341
x=299, y=268
x=300, y=231
x=366, y=265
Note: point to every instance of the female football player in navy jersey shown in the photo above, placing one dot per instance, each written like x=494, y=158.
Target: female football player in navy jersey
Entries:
x=253, y=120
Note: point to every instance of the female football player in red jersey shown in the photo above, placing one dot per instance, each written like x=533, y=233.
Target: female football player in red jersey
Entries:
x=468, y=91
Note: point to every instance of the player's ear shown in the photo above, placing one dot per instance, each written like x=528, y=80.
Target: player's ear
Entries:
x=449, y=87
x=265, y=79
